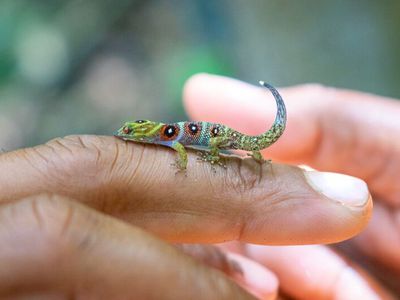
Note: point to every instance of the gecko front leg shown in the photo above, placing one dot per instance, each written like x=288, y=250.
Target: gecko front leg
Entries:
x=182, y=160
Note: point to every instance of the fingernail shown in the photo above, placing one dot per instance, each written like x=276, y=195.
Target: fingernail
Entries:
x=348, y=190
x=255, y=278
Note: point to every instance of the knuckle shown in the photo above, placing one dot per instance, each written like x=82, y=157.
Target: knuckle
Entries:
x=51, y=214
x=314, y=87
x=35, y=223
x=318, y=91
x=55, y=225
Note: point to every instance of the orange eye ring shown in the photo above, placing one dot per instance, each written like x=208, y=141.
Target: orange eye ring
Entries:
x=169, y=132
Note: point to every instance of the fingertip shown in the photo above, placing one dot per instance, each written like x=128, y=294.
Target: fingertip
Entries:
x=316, y=272
x=206, y=96
x=203, y=92
x=255, y=278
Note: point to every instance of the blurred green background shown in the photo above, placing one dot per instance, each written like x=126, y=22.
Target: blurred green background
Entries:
x=74, y=66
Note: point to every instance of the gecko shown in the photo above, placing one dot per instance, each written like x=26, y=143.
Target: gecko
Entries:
x=213, y=136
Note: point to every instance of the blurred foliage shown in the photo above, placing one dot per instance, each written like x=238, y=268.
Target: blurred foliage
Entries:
x=74, y=66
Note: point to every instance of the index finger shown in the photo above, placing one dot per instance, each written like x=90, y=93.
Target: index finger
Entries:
x=267, y=204
x=329, y=129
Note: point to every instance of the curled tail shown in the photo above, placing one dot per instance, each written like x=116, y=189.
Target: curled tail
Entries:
x=280, y=118
x=255, y=143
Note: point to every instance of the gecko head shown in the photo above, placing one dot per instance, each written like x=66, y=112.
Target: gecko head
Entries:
x=140, y=130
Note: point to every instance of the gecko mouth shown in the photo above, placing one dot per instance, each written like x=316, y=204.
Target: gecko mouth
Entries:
x=119, y=133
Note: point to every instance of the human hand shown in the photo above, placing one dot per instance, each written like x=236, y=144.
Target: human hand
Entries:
x=330, y=130
x=77, y=215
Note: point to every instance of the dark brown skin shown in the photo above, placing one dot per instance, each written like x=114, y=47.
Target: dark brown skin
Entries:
x=92, y=217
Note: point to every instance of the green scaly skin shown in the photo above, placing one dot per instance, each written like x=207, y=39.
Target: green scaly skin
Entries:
x=213, y=136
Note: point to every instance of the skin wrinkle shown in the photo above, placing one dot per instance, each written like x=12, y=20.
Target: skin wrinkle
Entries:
x=241, y=184
x=143, y=177
x=56, y=249
x=57, y=224
x=98, y=156
x=26, y=155
x=45, y=211
x=95, y=164
x=134, y=177
x=68, y=220
x=36, y=214
x=146, y=184
x=57, y=163
x=139, y=162
x=239, y=170
x=115, y=159
x=237, y=185
x=275, y=199
x=59, y=142
x=260, y=174
x=79, y=140
x=91, y=146
x=39, y=154
x=120, y=188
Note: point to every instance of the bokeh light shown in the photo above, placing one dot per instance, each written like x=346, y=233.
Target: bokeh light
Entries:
x=72, y=66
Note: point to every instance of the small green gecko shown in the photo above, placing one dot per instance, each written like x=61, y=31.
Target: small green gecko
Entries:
x=213, y=136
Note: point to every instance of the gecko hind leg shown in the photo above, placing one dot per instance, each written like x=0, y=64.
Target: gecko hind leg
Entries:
x=256, y=155
x=211, y=157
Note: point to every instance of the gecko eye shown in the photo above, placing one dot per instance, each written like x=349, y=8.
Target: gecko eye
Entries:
x=214, y=131
x=140, y=121
x=126, y=130
x=168, y=132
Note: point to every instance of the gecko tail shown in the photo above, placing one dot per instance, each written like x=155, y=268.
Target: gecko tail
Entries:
x=262, y=141
x=280, y=119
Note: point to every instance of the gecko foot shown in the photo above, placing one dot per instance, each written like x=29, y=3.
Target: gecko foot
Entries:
x=179, y=167
x=214, y=160
x=256, y=155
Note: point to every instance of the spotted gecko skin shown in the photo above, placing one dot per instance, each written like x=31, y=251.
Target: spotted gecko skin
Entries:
x=213, y=136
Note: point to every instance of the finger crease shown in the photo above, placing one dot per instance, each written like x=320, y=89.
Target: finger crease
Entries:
x=68, y=219
x=114, y=162
x=57, y=141
x=36, y=213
